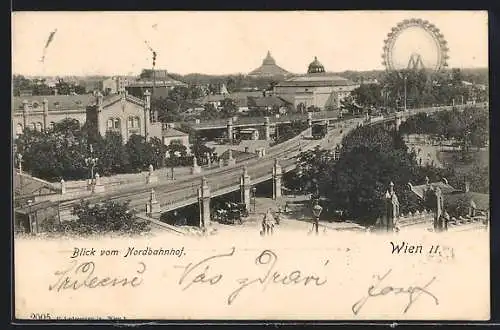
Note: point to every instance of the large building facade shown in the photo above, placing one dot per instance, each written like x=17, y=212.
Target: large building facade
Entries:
x=120, y=113
x=115, y=84
x=317, y=88
x=124, y=114
x=42, y=112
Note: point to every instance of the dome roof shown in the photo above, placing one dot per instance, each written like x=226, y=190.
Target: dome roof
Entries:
x=268, y=68
x=315, y=66
x=269, y=60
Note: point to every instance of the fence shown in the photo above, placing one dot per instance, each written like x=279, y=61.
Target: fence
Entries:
x=411, y=219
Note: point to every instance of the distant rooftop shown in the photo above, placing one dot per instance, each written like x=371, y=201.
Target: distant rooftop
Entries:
x=316, y=79
x=161, y=79
x=172, y=132
x=268, y=68
x=55, y=102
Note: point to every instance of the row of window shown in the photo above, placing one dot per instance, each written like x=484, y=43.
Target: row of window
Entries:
x=33, y=126
x=115, y=123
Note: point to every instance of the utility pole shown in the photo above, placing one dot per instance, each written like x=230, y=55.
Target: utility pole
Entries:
x=405, y=77
x=152, y=113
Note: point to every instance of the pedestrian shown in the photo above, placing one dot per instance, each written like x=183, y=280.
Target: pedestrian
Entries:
x=268, y=223
x=278, y=216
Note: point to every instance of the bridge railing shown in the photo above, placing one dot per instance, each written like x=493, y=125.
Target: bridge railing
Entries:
x=303, y=116
x=260, y=120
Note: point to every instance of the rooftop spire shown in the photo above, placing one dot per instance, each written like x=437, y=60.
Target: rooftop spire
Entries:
x=269, y=60
x=268, y=67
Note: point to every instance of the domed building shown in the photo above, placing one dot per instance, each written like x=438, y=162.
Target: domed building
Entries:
x=269, y=68
x=315, y=67
x=317, y=88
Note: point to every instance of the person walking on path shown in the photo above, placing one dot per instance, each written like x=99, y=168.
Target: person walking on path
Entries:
x=268, y=223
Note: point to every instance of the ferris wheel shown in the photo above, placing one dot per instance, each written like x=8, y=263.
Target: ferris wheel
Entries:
x=415, y=44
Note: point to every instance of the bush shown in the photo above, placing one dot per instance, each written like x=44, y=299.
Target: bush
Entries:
x=107, y=217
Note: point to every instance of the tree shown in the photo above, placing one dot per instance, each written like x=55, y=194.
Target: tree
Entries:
x=20, y=83
x=348, y=105
x=368, y=95
x=229, y=108
x=199, y=149
x=361, y=177
x=53, y=155
x=64, y=88
x=159, y=151
x=313, y=167
x=176, y=149
x=113, y=156
x=107, y=217
x=210, y=112
x=168, y=110
x=371, y=157
x=139, y=153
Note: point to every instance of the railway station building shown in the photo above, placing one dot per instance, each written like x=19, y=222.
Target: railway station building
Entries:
x=317, y=88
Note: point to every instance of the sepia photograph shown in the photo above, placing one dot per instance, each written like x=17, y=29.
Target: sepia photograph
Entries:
x=244, y=165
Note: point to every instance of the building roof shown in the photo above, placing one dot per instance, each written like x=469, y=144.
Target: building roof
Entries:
x=419, y=190
x=481, y=201
x=213, y=98
x=161, y=79
x=245, y=94
x=316, y=80
x=172, y=132
x=114, y=98
x=268, y=68
x=158, y=83
x=26, y=186
x=35, y=207
x=315, y=66
x=55, y=102
x=270, y=101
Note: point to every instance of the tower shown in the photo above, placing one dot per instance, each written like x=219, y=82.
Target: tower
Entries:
x=391, y=207
x=415, y=62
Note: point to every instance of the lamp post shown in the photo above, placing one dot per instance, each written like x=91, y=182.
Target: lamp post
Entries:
x=254, y=198
x=33, y=224
x=91, y=162
x=19, y=162
x=316, y=211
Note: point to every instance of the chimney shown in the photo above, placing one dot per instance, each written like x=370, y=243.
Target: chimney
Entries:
x=467, y=187
x=99, y=99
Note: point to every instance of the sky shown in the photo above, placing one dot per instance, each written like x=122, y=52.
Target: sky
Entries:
x=113, y=43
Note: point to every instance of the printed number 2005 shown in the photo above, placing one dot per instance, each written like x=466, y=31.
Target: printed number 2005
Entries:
x=40, y=316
